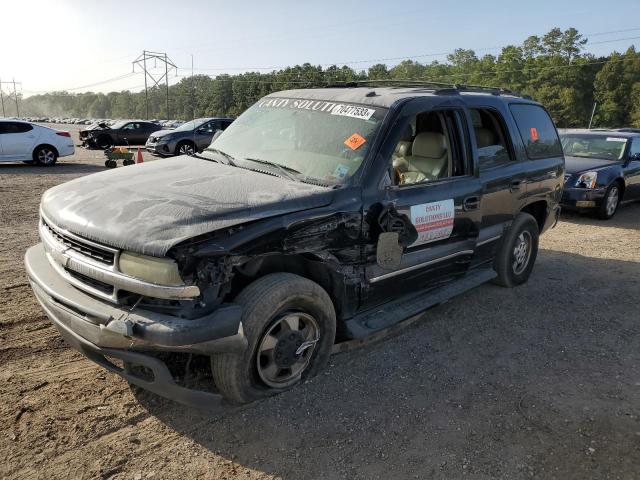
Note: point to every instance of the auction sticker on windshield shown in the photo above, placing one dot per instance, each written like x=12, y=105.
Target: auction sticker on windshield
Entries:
x=354, y=111
x=433, y=221
x=333, y=108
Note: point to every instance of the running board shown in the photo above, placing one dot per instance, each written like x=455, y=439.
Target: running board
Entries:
x=384, y=317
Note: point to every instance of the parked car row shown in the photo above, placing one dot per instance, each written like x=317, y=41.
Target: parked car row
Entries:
x=190, y=137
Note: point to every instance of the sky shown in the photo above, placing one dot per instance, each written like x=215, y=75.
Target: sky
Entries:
x=88, y=45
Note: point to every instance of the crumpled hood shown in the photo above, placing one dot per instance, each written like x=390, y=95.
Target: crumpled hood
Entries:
x=150, y=207
x=580, y=164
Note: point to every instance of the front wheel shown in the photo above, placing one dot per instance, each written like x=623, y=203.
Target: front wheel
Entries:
x=103, y=142
x=185, y=148
x=517, y=252
x=45, y=156
x=290, y=325
x=610, y=202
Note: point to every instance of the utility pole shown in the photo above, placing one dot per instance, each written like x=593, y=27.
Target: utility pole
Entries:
x=15, y=95
x=2, y=99
x=593, y=112
x=141, y=61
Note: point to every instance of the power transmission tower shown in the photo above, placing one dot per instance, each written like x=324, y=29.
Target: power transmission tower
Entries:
x=141, y=61
x=15, y=95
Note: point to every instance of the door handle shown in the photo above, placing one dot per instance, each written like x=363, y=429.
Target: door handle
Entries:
x=471, y=203
x=515, y=185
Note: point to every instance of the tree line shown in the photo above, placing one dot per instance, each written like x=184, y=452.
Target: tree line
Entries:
x=554, y=69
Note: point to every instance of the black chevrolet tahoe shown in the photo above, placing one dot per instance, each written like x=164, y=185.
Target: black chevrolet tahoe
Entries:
x=318, y=217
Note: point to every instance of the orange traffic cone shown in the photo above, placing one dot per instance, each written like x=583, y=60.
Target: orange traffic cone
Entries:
x=139, y=156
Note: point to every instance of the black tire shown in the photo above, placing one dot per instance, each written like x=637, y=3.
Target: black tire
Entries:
x=185, y=147
x=265, y=302
x=610, y=202
x=510, y=263
x=128, y=162
x=110, y=163
x=45, y=156
x=103, y=142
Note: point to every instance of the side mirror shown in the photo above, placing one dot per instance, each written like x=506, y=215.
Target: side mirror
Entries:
x=397, y=233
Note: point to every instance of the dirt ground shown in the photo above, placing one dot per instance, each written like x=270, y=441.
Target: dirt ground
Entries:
x=542, y=381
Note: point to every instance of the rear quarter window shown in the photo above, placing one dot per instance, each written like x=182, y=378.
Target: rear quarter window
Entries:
x=537, y=131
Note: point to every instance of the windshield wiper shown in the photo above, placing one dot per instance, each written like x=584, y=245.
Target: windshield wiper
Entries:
x=288, y=172
x=230, y=159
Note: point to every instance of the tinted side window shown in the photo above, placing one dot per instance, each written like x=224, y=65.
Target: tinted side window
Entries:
x=491, y=139
x=635, y=147
x=537, y=131
x=14, y=127
x=225, y=124
x=210, y=127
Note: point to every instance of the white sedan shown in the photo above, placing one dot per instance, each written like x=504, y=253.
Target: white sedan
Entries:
x=31, y=143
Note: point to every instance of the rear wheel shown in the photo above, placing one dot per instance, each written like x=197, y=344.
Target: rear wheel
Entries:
x=517, y=252
x=45, y=156
x=290, y=325
x=610, y=202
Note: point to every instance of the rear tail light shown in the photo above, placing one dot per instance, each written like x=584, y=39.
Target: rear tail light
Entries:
x=63, y=134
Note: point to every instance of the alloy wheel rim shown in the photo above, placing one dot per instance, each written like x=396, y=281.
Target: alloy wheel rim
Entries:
x=612, y=201
x=286, y=349
x=521, y=252
x=186, y=150
x=46, y=156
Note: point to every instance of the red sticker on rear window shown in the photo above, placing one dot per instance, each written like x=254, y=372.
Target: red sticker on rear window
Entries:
x=534, y=134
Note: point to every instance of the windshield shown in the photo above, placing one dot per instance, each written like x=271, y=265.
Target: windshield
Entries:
x=320, y=140
x=190, y=125
x=593, y=146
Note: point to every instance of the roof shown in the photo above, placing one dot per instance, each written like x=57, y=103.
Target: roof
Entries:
x=386, y=96
x=618, y=132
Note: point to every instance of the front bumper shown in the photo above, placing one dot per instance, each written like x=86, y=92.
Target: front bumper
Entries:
x=160, y=149
x=582, y=198
x=99, y=329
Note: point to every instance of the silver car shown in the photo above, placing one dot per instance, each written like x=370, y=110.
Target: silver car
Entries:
x=192, y=136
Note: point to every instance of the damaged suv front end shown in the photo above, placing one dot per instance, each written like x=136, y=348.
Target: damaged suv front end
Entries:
x=113, y=304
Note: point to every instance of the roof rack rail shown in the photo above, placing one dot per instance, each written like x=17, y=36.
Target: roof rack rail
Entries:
x=437, y=87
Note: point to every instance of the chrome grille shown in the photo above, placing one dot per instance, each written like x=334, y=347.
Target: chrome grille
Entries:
x=85, y=248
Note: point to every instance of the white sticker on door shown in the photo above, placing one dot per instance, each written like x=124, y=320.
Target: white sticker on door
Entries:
x=433, y=221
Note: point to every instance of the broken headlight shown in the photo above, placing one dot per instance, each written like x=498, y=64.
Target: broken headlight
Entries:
x=161, y=271
x=587, y=180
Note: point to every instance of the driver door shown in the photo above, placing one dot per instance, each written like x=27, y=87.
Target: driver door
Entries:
x=443, y=206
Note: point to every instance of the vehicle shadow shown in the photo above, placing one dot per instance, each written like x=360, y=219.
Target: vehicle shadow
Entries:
x=627, y=216
x=496, y=383
x=58, y=169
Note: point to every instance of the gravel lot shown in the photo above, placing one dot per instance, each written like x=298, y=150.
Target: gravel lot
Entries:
x=542, y=381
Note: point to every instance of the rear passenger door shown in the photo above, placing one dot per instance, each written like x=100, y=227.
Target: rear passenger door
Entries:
x=502, y=176
x=442, y=204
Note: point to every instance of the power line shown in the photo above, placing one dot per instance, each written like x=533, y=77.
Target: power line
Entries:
x=422, y=55
x=354, y=62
